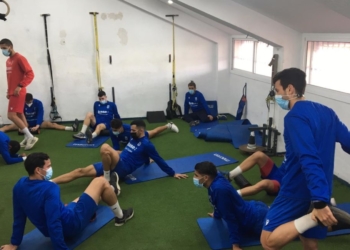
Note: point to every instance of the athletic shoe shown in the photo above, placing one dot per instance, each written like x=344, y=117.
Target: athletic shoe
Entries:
x=114, y=181
x=226, y=175
x=222, y=117
x=23, y=143
x=127, y=215
x=88, y=135
x=31, y=142
x=80, y=136
x=194, y=123
x=75, y=125
x=173, y=127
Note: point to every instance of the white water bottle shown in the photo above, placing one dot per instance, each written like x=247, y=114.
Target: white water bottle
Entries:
x=1, y=122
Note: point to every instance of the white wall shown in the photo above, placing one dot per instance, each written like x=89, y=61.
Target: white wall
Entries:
x=140, y=71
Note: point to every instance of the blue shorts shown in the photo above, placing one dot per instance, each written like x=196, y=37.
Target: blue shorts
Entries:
x=122, y=169
x=108, y=125
x=83, y=210
x=32, y=124
x=285, y=209
x=259, y=212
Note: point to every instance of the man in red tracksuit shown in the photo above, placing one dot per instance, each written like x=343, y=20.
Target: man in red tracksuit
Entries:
x=19, y=76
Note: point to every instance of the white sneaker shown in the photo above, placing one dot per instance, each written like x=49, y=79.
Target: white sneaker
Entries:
x=23, y=143
x=31, y=142
x=173, y=127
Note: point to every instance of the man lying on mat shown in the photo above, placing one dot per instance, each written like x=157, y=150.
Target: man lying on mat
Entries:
x=9, y=150
x=34, y=113
x=136, y=153
x=120, y=133
x=38, y=199
x=104, y=112
x=242, y=217
x=200, y=110
x=269, y=172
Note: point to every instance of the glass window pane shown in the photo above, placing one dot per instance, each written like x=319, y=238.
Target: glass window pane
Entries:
x=243, y=53
x=264, y=55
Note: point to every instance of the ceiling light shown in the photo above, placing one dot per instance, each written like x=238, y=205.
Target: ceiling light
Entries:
x=170, y=1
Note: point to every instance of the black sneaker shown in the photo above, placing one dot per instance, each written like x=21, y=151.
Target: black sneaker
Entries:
x=75, y=125
x=88, y=135
x=80, y=136
x=114, y=181
x=222, y=117
x=226, y=175
x=127, y=215
x=194, y=123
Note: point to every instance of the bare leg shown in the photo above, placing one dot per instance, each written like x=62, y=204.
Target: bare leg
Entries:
x=89, y=119
x=100, y=188
x=267, y=185
x=258, y=158
x=309, y=244
x=17, y=119
x=98, y=129
x=152, y=133
x=88, y=171
x=279, y=237
x=10, y=127
x=110, y=157
x=23, y=118
x=51, y=125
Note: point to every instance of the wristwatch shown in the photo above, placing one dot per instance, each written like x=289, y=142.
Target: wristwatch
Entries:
x=20, y=85
x=319, y=204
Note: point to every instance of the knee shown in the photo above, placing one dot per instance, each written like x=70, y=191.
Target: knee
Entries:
x=90, y=115
x=259, y=155
x=105, y=148
x=265, y=243
x=101, y=181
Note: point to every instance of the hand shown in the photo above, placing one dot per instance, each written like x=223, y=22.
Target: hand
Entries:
x=180, y=176
x=211, y=215
x=34, y=128
x=150, y=160
x=8, y=247
x=236, y=247
x=23, y=155
x=210, y=117
x=17, y=90
x=324, y=215
x=7, y=96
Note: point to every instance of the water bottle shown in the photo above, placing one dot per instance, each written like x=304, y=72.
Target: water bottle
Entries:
x=1, y=122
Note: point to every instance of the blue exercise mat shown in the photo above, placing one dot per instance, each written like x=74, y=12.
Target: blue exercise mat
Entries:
x=36, y=240
x=221, y=132
x=96, y=142
x=240, y=135
x=216, y=233
x=180, y=166
x=204, y=125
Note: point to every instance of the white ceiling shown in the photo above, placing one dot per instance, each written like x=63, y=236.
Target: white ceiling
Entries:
x=306, y=16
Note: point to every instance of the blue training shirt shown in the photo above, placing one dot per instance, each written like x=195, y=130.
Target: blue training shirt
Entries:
x=310, y=133
x=196, y=102
x=35, y=113
x=4, y=150
x=40, y=201
x=240, y=215
x=122, y=137
x=104, y=113
x=137, y=153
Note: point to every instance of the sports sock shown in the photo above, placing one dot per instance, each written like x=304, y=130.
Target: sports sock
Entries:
x=235, y=172
x=239, y=192
x=169, y=125
x=94, y=134
x=118, y=212
x=83, y=129
x=107, y=175
x=304, y=223
x=68, y=128
x=27, y=133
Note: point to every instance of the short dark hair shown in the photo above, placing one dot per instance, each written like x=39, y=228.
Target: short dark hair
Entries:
x=293, y=76
x=14, y=147
x=29, y=97
x=6, y=42
x=192, y=84
x=206, y=168
x=101, y=93
x=35, y=160
x=138, y=124
x=116, y=123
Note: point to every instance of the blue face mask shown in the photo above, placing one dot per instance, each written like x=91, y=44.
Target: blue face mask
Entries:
x=116, y=133
x=103, y=101
x=284, y=104
x=196, y=183
x=48, y=175
x=6, y=52
x=191, y=91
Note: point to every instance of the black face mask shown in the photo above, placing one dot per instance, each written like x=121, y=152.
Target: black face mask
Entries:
x=134, y=136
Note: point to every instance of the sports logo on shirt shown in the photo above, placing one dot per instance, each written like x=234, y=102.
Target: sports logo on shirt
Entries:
x=108, y=106
x=139, y=144
x=267, y=222
x=195, y=98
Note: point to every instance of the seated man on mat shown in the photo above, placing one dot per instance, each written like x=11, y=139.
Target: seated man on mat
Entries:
x=120, y=132
x=136, y=153
x=242, y=217
x=270, y=173
x=38, y=199
x=34, y=113
x=104, y=112
x=200, y=110
x=9, y=149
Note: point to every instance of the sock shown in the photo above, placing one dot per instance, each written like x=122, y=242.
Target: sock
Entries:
x=83, y=129
x=94, y=134
x=27, y=133
x=239, y=192
x=107, y=175
x=304, y=223
x=118, y=212
x=68, y=128
x=169, y=126
x=235, y=172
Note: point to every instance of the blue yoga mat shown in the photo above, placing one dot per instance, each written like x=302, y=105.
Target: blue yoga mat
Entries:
x=96, y=142
x=204, y=125
x=240, y=135
x=35, y=240
x=221, y=132
x=180, y=165
x=216, y=232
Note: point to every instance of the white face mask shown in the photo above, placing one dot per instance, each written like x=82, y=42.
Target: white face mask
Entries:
x=29, y=104
x=48, y=175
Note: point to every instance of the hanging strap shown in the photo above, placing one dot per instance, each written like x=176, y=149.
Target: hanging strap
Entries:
x=3, y=16
x=245, y=89
x=98, y=74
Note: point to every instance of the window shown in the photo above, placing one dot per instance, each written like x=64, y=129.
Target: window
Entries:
x=252, y=56
x=327, y=65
